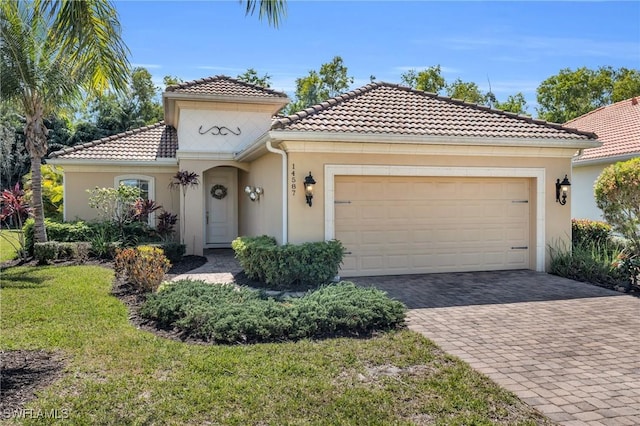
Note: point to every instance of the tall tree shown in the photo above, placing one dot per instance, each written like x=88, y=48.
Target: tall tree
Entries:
x=144, y=95
x=52, y=51
x=570, y=94
x=251, y=76
x=331, y=80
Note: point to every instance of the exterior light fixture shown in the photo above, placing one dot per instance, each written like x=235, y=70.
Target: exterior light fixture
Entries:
x=308, y=188
x=562, y=190
x=254, y=193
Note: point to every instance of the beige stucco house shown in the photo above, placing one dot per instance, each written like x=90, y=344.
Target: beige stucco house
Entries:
x=410, y=182
x=618, y=128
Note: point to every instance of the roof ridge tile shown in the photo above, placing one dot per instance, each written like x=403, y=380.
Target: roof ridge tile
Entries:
x=192, y=83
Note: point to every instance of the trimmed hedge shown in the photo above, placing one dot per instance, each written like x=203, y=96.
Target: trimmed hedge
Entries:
x=105, y=237
x=289, y=266
x=585, y=231
x=57, y=231
x=55, y=250
x=225, y=313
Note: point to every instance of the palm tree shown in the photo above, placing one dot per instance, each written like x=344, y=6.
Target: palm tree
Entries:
x=51, y=53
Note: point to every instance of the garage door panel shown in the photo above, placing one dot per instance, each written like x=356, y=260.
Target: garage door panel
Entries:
x=395, y=225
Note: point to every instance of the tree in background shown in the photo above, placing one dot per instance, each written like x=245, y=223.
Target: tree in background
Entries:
x=114, y=113
x=331, y=80
x=514, y=103
x=465, y=91
x=144, y=95
x=431, y=80
x=171, y=80
x=14, y=158
x=251, y=76
x=570, y=94
x=52, y=52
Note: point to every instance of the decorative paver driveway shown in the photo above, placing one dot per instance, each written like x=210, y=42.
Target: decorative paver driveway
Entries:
x=569, y=349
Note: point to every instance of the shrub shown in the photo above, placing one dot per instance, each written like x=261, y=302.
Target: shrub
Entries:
x=225, y=313
x=592, y=263
x=55, y=250
x=57, y=231
x=142, y=266
x=617, y=193
x=13, y=210
x=346, y=309
x=247, y=251
x=289, y=266
x=585, y=231
x=174, y=251
x=45, y=252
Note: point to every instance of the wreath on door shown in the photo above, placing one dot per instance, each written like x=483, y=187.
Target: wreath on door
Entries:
x=218, y=192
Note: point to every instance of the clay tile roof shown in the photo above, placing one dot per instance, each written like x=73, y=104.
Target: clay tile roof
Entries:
x=147, y=143
x=384, y=108
x=221, y=85
x=617, y=126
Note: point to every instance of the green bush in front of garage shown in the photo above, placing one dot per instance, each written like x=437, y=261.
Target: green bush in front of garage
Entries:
x=289, y=266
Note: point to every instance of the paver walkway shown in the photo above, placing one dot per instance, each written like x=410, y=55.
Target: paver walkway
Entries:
x=569, y=349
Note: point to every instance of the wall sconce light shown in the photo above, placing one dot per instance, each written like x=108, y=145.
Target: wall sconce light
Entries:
x=308, y=188
x=562, y=190
x=254, y=193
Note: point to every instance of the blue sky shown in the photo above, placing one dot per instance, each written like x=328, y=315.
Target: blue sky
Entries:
x=514, y=45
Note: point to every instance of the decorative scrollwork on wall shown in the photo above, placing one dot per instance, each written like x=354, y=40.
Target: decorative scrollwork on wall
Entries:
x=219, y=131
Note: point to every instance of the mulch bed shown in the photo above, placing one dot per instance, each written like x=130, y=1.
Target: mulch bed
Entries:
x=22, y=374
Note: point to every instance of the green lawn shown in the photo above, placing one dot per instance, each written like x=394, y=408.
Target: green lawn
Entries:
x=7, y=251
x=117, y=374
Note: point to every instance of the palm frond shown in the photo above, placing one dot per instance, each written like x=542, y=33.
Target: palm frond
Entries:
x=89, y=33
x=273, y=10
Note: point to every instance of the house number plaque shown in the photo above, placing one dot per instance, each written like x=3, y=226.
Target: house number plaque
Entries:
x=219, y=131
x=293, y=179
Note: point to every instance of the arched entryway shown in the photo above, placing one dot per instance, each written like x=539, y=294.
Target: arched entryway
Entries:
x=221, y=206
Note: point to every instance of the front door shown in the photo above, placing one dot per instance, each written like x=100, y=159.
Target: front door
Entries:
x=222, y=207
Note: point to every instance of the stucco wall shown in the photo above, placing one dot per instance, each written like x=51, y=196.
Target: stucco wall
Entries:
x=307, y=223
x=583, y=204
x=77, y=180
x=216, y=131
x=263, y=216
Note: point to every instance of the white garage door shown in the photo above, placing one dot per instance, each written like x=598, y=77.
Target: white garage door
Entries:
x=405, y=225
